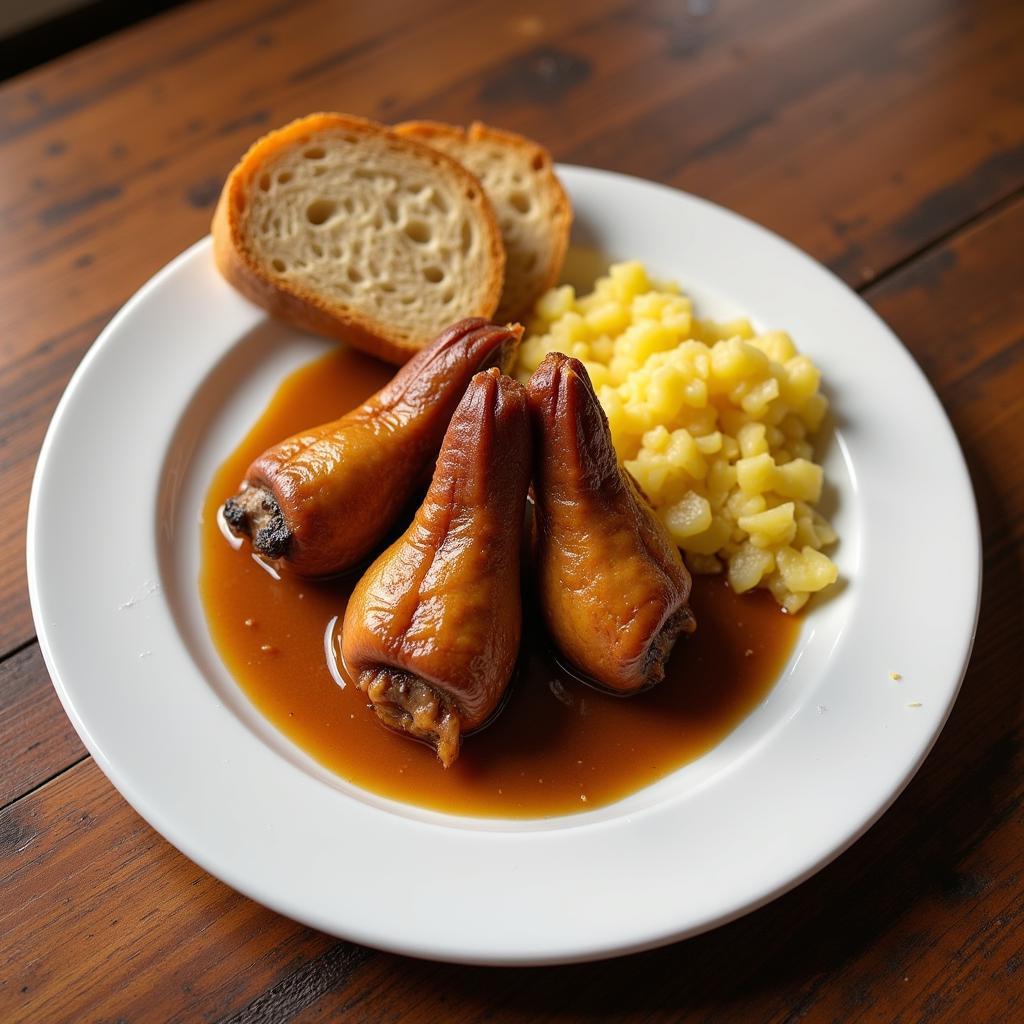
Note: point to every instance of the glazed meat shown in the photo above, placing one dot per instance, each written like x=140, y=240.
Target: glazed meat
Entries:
x=321, y=501
x=432, y=630
x=611, y=584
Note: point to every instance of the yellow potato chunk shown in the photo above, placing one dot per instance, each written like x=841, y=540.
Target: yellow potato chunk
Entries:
x=752, y=439
x=776, y=345
x=686, y=517
x=799, y=479
x=711, y=540
x=556, y=303
x=706, y=565
x=748, y=566
x=808, y=570
x=770, y=528
x=709, y=444
x=802, y=379
x=734, y=361
x=756, y=474
x=755, y=402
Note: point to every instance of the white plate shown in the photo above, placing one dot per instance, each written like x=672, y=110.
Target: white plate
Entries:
x=169, y=389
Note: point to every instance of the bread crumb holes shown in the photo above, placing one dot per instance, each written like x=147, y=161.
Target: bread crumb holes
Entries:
x=319, y=210
x=418, y=231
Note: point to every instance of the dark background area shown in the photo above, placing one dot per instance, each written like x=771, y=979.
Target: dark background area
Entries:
x=41, y=41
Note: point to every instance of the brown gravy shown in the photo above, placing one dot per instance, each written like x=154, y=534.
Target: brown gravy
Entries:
x=558, y=746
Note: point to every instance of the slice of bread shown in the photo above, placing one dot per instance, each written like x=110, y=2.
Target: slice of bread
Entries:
x=533, y=210
x=341, y=227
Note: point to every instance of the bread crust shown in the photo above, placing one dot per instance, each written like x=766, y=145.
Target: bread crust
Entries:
x=305, y=308
x=540, y=160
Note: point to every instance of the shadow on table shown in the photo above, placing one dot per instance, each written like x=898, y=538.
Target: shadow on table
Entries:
x=916, y=853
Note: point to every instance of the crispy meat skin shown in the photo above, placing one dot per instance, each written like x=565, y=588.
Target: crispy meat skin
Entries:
x=611, y=584
x=324, y=499
x=432, y=629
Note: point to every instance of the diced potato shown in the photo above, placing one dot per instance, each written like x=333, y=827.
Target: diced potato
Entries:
x=569, y=330
x=608, y=318
x=734, y=361
x=556, y=303
x=698, y=421
x=721, y=478
x=708, y=542
x=689, y=516
x=802, y=379
x=657, y=439
x=666, y=392
x=756, y=474
x=788, y=601
x=683, y=452
x=741, y=504
x=599, y=374
x=710, y=331
x=602, y=348
x=799, y=479
x=620, y=367
x=531, y=354
x=792, y=428
x=770, y=528
x=751, y=437
x=822, y=527
x=808, y=571
x=748, y=566
x=756, y=400
x=628, y=280
x=679, y=321
x=812, y=412
x=706, y=565
x=708, y=444
x=649, y=306
x=775, y=345
x=695, y=393
x=640, y=341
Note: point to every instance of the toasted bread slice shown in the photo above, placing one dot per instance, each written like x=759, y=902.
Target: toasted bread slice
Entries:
x=533, y=210
x=341, y=227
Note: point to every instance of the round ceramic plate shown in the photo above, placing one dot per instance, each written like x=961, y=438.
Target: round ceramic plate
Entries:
x=167, y=392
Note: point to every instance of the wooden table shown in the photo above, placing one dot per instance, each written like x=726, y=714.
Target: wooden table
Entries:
x=885, y=138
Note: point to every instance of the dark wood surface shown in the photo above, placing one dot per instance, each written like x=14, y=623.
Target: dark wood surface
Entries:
x=887, y=139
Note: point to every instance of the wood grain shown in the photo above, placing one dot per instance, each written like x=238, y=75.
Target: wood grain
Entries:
x=861, y=129
x=36, y=737
x=887, y=139
x=101, y=919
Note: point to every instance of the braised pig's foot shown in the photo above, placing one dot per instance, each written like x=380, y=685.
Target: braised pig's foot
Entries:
x=432, y=630
x=612, y=586
x=324, y=499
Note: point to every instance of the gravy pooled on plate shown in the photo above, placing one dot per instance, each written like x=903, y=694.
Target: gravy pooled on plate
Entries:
x=558, y=746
